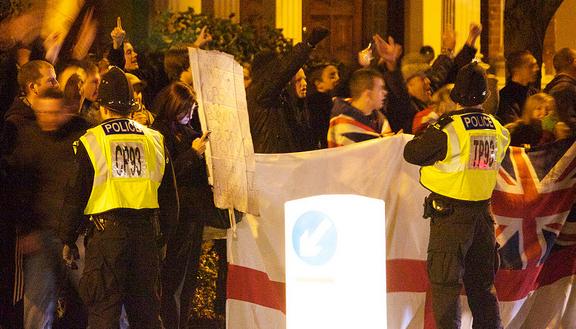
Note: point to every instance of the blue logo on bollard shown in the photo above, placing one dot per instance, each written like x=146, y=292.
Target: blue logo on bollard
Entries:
x=314, y=238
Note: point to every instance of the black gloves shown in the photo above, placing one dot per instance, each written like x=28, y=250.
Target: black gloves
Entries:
x=318, y=34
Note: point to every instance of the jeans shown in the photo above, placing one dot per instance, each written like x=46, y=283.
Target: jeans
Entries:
x=43, y=272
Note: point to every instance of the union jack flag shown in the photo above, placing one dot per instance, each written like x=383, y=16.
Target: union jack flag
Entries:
x=533, y=197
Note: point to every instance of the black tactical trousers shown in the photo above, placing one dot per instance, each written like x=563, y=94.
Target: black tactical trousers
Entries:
x=122, y=268
x=462, y=250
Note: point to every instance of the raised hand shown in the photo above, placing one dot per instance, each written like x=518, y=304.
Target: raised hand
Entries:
x=203, y=38
x=52, y=46
x=86, y=36
x=475, y=31
x=365, y=56
x=118, y=34
x=389, y=52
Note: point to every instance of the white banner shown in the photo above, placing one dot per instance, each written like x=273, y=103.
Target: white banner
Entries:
x=376, y=169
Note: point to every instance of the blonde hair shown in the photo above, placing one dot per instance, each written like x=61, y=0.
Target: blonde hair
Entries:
x=535, y=101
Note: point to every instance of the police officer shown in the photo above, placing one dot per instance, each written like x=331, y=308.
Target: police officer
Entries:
x=121, y=180
x=460, y=156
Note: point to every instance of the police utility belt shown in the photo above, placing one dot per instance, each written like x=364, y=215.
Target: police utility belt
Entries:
x=126, y=217
x=436, y=205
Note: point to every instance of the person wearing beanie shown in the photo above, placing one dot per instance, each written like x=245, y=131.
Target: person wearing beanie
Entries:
x=123, y=182
x=460, y=156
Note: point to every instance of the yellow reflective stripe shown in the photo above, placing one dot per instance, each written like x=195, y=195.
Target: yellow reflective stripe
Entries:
x=75, y=146
x=97, y=156
x=452, y=153
x=158, y=150
x=505, y=142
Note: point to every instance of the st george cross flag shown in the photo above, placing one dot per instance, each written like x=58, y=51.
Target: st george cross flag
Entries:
x=533, y=198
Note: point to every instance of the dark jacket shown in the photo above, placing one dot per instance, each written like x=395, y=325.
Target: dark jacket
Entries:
x=194, y=192
x=8, y=80
x=399, y=107
x=319, y=106
x=276, y=123
x=522, y=133
x=20, y=109
x=39, y=165
x=512, y=99
x=563, y=89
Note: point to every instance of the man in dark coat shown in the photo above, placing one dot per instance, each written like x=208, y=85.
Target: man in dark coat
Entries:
x=324, y=79
x=39, y=157
x=277, y=119
x=523, y=70
x=563, y=86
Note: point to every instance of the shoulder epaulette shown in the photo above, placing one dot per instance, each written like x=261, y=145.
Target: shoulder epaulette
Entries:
x=443, y=122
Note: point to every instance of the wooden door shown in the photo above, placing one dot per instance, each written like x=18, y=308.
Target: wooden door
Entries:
x=344, y=19
x=258, y=12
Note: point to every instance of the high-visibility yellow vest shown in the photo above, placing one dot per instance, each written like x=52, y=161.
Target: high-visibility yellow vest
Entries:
x=128, y=161
x=477, y=144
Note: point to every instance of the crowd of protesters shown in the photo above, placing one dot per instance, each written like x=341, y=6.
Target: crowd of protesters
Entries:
x=49, y=98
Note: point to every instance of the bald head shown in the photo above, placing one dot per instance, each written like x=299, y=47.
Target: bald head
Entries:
x=564, y=61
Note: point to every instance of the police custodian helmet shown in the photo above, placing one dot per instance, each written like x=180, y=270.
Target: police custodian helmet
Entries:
x=470, y=88
x=115, y=92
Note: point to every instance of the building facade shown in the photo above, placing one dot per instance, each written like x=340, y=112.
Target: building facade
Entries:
x=412, y=23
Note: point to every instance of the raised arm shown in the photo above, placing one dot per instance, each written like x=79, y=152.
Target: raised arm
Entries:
x=276, y=74
x=398, y=108
x=116, y=55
